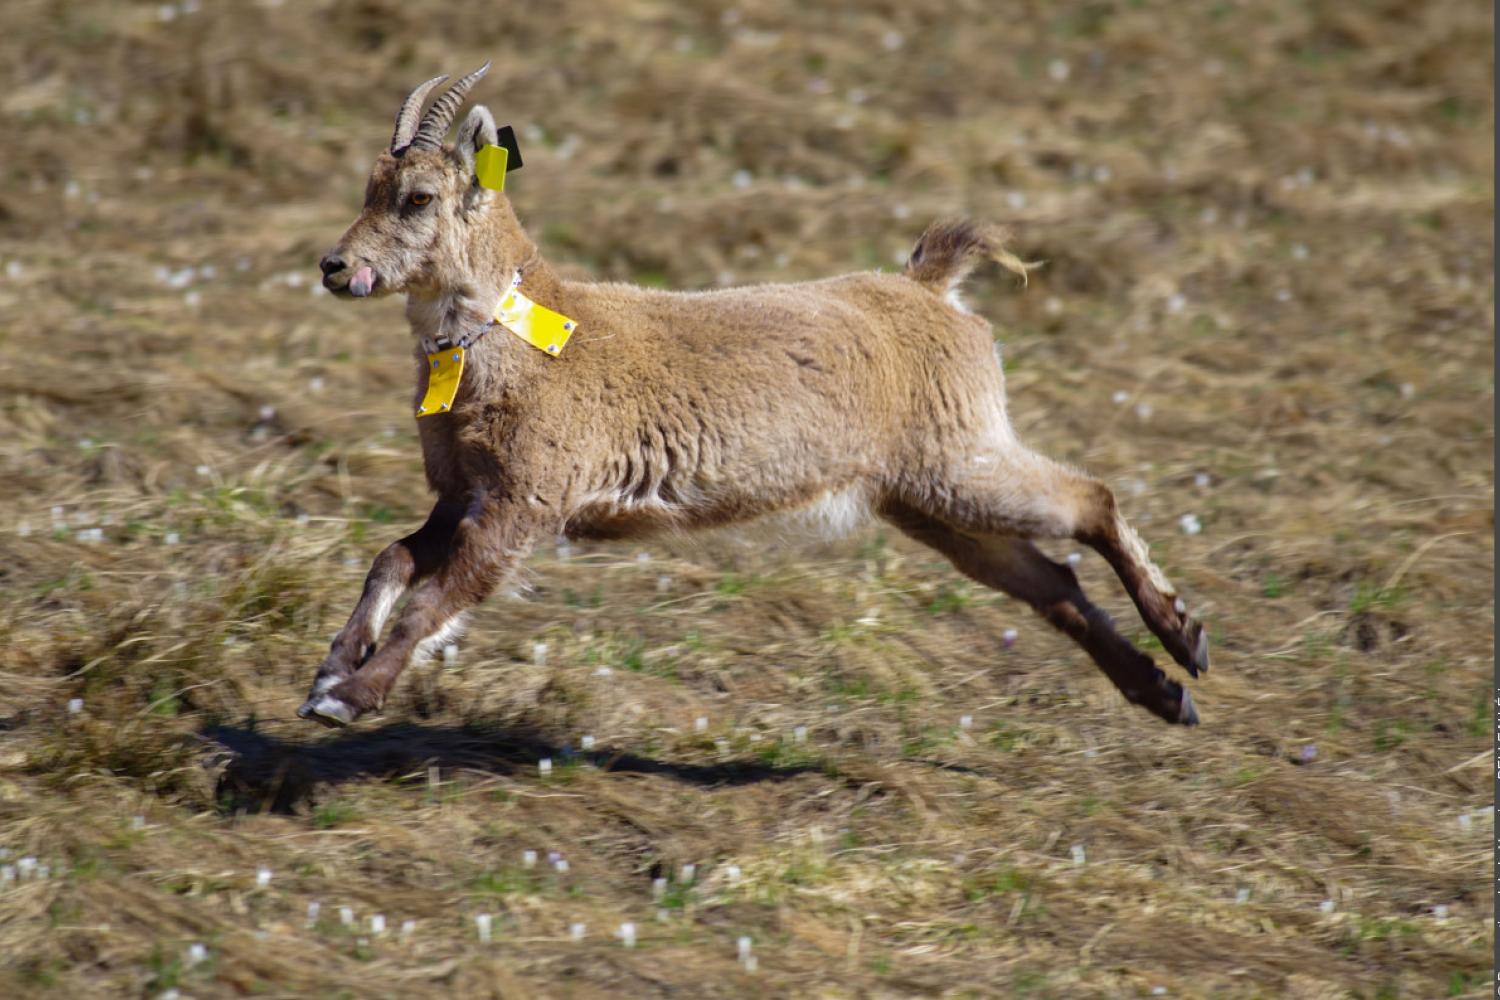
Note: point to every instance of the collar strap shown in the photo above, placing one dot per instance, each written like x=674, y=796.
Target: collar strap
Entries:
x=545, y=329
x=431, y=345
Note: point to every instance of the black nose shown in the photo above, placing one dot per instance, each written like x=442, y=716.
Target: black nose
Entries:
x=332, y=264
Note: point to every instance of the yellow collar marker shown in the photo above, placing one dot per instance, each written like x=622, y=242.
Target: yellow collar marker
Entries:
x=545, y=329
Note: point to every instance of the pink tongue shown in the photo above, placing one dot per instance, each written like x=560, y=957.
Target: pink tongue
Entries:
x=362, y=282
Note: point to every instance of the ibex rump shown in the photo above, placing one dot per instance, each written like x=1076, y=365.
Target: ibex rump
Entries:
x=867, y=393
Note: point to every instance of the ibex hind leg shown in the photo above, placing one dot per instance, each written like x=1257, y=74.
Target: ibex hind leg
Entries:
x=1024, y=494
x=1018, y=568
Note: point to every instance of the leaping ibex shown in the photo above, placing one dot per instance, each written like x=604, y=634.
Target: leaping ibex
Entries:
x=862, y=394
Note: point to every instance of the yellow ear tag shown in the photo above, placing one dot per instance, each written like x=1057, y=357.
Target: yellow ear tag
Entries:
x=489, y=167
x=444, y=369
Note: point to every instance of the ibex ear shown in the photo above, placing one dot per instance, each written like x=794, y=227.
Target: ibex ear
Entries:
x=477, y=131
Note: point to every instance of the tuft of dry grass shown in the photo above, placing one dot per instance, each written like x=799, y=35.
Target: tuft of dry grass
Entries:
x=1266, y=307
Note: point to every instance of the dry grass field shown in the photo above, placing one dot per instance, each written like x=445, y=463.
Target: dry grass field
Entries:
x=1266, y=313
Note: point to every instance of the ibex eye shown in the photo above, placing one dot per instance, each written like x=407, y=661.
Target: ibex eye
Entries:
x=420, y=198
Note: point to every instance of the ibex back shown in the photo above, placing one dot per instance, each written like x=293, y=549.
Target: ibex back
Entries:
x=866, y=394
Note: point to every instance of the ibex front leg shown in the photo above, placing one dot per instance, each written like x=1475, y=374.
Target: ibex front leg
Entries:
x=487, y=546
x=400, y=565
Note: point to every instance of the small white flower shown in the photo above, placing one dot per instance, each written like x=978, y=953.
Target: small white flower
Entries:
x=346, y=916
x=561, y=866
x=377, y=924
x=1059, y=70
x=262, y=878
x=1120, y=396
x=1326, y=906
x=313, y=909
x=1143, y=411
x=1190, y=524
x=1008, y=637
x=196, y=954
x=482, y=923
x=539, y=653
x=450, y=654
x=75, y=706
x=966, y=722
x=1299, y=251
x=743, y=179
x=545, y=766
x=1074, y=558
x=1202, y=480
x=744, y=944
x=1078, y=855
x=1242, y=896
x=1176, y=302
x=687, y=873
x=408, y=927
x=1016, y=200
x=700, y=724
x=799, y=734
x=627, y=935
x=577, y=931
x=892, y=40
x=528, y=859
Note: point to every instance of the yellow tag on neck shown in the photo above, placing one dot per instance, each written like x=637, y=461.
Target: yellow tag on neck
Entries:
x=444, y=370
x=542, y=328
x=489, y=167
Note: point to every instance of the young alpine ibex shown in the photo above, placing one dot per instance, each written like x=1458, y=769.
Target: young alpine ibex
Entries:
x=863, y=394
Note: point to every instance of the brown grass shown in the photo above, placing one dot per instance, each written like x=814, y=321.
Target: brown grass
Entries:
x=1269, y=223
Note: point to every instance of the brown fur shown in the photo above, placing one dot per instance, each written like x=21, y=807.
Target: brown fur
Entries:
x=675, y=411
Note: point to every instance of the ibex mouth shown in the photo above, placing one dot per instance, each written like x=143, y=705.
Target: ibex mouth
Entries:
x=363, y=283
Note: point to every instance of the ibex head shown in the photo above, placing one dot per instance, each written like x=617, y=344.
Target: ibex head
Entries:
x=420, y=201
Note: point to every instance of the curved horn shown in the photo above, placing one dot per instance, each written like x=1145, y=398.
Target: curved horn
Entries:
x=438, y=117
x=411, y=111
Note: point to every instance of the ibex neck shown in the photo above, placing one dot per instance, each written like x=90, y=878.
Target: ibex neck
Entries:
x=466, y=298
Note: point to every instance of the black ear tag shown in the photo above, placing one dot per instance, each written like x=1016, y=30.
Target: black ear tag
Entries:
x=506, y=139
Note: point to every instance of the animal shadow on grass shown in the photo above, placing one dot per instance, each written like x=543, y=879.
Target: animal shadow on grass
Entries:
x=265, y=773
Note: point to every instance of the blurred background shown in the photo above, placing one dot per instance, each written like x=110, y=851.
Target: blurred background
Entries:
x=1265, y=319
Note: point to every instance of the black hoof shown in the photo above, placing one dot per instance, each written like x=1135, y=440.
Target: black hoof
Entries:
x=1187, y=715
x=326, y=710
x=1200, y=652
x=1168, y=701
